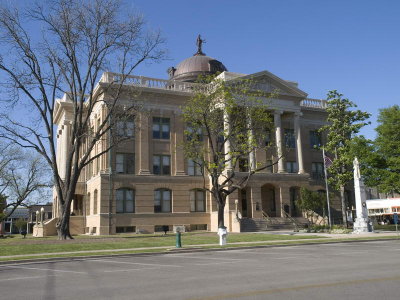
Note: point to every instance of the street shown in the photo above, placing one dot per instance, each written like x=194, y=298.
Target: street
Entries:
x=367, y=270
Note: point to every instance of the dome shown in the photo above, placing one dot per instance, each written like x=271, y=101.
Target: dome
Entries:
x=198, y=64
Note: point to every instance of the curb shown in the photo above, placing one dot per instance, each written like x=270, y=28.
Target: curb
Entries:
x=181, y=250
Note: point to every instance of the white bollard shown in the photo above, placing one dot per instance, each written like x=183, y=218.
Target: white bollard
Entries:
x=222, y=232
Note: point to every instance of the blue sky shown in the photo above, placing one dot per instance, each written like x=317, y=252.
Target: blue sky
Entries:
x=348, y=45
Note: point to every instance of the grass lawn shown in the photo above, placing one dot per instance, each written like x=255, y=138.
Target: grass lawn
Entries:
x=388, y=227
x=17, y=245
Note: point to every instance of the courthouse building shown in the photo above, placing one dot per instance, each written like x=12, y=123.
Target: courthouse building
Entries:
x=146, y=182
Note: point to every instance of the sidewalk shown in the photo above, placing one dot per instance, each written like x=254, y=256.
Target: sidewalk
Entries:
x=330, y=237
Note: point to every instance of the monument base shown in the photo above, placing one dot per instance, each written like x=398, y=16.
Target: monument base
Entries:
x=362, y=225
x=38, y=230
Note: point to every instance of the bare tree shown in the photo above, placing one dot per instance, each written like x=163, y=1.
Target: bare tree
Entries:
x=80, y=40
x=23, y=180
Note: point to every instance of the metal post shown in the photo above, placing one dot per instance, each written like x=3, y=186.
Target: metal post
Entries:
x=178, y=240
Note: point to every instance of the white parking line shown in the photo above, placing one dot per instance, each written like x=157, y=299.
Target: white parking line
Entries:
x=129, y=270
x=132, y=263
x=207, y=258
x=274, y=253
x=211, y=264
x=43, y=269
x=25, y=278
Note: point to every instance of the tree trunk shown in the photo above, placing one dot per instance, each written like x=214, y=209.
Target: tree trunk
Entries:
x=343, y=203
x=63, y=223
x=221, y=215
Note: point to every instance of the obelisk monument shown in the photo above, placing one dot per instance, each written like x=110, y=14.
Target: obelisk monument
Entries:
x=361, y=224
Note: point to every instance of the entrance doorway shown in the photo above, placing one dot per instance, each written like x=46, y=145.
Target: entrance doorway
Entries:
x=268, y=200
x=243, y=197
x=295, y=210
x=77, y=205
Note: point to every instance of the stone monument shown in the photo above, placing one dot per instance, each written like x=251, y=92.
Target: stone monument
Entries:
x=361, y=224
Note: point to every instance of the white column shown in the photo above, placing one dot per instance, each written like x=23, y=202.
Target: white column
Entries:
x=227, y=145
x=299, y=149
x=278, y=137
x=65, y=148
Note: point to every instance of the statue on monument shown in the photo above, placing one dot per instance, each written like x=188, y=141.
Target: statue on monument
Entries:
x=199, y=44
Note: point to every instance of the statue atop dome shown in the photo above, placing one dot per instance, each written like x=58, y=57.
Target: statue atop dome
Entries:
x=189, y=69
x=199, y=44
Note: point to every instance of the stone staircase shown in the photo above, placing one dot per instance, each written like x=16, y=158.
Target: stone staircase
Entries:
x=272, y=224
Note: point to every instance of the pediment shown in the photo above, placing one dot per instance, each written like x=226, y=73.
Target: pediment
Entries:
x=269, y=82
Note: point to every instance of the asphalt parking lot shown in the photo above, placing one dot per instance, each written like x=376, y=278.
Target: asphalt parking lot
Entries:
x=367, y=270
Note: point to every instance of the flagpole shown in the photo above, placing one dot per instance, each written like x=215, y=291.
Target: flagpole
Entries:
x=327, y=189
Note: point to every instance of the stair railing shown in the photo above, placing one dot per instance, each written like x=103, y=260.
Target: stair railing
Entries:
x=295, y=223
x=267, y=218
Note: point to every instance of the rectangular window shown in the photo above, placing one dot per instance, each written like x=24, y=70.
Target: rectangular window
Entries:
x=161, y=128
x=162, y=200
x=317, y=170
x=291, y=167
x=125, y=200
x=197, y=201
x=123, y=229
x=125, y=128
x=315, y=139
x=161, y=165
x=194, y=227
x=194, y=168
x=125, y=163
x=290, y=140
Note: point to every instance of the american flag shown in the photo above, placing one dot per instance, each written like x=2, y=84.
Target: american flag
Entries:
x=328, y=162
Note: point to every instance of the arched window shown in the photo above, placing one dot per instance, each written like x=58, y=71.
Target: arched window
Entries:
x=162, y=200
x=125, y=200
x=197, y=200
x=95, y=202
x=88, y=204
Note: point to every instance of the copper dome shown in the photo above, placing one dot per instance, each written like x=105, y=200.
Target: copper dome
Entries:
x=198, y=64
x=192, y=67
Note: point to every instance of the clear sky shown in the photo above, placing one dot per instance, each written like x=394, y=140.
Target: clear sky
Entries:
x=348, y=45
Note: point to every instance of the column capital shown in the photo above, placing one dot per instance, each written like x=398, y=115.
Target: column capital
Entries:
x=278, y=112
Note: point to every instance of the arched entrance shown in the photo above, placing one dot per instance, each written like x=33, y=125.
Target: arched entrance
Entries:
x=295, y=210
x=268, y=197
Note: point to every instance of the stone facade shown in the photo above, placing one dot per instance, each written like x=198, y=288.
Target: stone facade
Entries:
x=150, y=201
